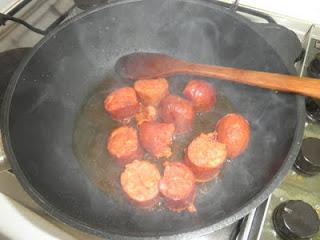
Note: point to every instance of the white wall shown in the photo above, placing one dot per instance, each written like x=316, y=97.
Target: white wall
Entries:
x=308, y=10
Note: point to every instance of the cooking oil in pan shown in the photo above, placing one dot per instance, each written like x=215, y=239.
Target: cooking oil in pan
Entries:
x=94, y=125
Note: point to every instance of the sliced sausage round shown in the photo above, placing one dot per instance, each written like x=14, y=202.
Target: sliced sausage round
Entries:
x=234, y=131
x=140, y=181
x=157, y=138
x=205, y=157
x=122, y=103
x=151, y=91
x=146, y=114
x=178, y=186
x=123, y=144
x=202, y=95
x=174, y=109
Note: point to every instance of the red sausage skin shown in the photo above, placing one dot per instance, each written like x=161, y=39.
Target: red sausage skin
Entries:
x=157, y=138
x=202, y=94
x=179, y=111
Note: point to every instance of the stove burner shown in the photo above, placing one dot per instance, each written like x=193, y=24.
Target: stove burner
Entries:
x=86, y=4
x=313, y=109
x=9, y=61
x=295, y=219
x=314, y=67
x=308, y=161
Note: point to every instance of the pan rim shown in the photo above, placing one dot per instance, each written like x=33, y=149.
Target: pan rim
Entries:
x=61, y=216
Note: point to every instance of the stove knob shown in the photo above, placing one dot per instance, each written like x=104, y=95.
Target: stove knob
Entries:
x=295, y=219
x=314, y=67
x=308, y=161
x=313, y=109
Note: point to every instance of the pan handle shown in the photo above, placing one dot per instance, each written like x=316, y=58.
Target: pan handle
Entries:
x=4, y=164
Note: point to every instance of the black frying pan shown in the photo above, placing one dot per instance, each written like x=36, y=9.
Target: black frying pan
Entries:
x=73, y=67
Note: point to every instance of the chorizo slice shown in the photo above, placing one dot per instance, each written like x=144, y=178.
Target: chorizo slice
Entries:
x=202, y=95
x=178, y=186
x=157, y=138
x=234, y=131
x=179, y=111
x=151, y=91
x=140, y=182
x=205, y=156
x=123, y=144
x=122, y=103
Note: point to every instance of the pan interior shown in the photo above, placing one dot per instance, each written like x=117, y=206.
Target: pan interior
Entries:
x=73, y=69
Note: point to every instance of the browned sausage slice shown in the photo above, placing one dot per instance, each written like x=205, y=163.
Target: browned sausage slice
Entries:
x=205, y=156
x=140, y=181
x=122, y=103
x=234, y=131
x=123, y=144
x=151, y=91
x=178, y=186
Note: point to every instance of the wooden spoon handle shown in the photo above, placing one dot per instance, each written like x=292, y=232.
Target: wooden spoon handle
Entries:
x=286, y=83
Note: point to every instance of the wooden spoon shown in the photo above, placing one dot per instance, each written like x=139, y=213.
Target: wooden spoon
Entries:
x=153, y=65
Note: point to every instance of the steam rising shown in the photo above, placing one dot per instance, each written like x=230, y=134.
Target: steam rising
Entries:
x=81, y=68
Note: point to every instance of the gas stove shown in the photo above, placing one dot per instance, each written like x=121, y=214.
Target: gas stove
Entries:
x=266, y=222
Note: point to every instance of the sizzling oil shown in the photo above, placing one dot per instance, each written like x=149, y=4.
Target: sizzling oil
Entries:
x=94, y=125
